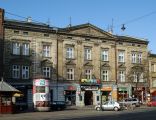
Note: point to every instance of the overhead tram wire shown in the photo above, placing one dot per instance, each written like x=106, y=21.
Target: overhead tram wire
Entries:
x=134, y=20
x=27, y=18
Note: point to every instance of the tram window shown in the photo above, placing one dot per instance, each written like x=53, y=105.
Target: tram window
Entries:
x=40, y=89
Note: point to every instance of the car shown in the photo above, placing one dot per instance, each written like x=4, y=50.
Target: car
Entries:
x=151, y=104
x=130, y=101
x=108, y=105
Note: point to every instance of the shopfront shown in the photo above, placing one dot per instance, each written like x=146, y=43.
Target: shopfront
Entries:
x=122, y=93
x=88, y=92
x=70, y=94
x=106, y=92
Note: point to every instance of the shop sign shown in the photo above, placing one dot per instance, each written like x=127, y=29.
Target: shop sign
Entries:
x=107, y=88
x=41, y=82
x=122, y=89
x=90, y=81
x=71, y=88
x=89, y=88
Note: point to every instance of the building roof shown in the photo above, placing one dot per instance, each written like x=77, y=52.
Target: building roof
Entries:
x=132, y=39
x=5, y=87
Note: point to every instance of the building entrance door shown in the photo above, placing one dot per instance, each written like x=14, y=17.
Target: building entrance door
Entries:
x=88, y=98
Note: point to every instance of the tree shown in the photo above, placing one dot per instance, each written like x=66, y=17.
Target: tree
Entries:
x=138, y=76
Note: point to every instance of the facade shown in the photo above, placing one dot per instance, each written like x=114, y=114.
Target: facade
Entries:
x=152, y=76
x=92, y=64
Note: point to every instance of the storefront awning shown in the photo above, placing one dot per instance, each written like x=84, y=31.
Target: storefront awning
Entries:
x=18, y=95
x=5, y=87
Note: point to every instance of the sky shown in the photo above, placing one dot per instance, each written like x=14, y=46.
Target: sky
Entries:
x=139, y=16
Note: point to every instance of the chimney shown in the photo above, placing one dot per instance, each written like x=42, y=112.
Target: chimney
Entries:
x=1, y=41
x=29, y=19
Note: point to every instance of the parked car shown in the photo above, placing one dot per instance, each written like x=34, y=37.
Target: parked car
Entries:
x=151, y=103
x=108, y=105
x=130, y=101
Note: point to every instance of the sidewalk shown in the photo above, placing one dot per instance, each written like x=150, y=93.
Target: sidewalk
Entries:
x=89, y=107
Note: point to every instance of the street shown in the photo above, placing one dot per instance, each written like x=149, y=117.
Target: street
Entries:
x=142, y=113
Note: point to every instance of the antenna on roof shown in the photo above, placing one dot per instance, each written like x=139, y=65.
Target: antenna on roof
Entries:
x=48, y=22
x=111, y=27
x=70, y=24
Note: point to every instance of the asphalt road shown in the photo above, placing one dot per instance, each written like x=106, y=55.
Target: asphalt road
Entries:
x=84, y=114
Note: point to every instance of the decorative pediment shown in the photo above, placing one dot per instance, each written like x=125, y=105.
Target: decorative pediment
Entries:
x=88, y=63
x=122, y=66
x=105, y=65
x=70, y=62
x=46, y=62
x=87, y=30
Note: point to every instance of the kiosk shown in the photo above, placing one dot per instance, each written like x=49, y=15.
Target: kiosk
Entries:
x=41, y=95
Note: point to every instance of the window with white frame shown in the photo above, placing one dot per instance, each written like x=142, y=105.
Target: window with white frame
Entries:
x=139, y=57
x=104, y=55
x=121, y=56
x=122, y=76
x=153, y=67
x=134, y=57
x=153, y=82
x=135, y=77
x=25, y=72
x=70, y=74
x=16, y=48
x=25, y=49
x=88, y=74
x=46, y=50
x=141, y=79
x=46, y=72
x=70, y=52
x=15, y=71
x=87, y=54
x=105, y=75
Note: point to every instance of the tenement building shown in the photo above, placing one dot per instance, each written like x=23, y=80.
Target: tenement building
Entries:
x=91, y=64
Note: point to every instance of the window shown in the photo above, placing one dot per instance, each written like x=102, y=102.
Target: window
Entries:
x=46, y=72
x=16, y=31
x=46, y=50
x=70, y=53
x=70, y=74
x=25, y=72
x=25, y=49
x=105, y=75
x=154, y=82
x=135, y=77
x=153, y=67
x=46, y=35
x=104, y=55
x=25, y=33
x=122, y=76
x=141, y=79
x=16, y=48
x=134, y=59
x=121, y=56
x=88, y=74
x=87, y=54
x=139, y=57
x=16, y=71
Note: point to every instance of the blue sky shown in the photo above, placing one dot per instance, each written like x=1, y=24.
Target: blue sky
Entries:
x=97, y=12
